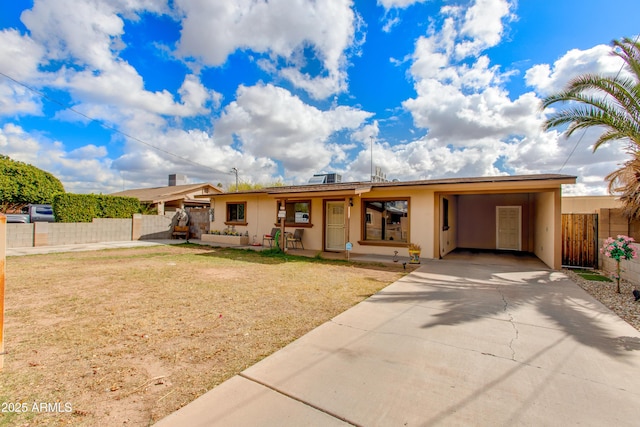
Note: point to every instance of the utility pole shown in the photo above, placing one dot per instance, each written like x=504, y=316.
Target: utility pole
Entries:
x=235, y=170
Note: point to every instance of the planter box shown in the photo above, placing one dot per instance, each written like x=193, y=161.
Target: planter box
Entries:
x=227, y=240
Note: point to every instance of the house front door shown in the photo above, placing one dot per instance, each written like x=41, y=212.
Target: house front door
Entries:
x=334, y=226
x=508, y=227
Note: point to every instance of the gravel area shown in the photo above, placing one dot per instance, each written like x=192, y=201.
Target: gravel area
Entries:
x=623, y=303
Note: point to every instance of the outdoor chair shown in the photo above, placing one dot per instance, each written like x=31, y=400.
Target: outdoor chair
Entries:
x=180, y=231
x=270, y=238
x=295, y=239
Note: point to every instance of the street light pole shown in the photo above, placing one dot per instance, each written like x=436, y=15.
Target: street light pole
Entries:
x=235, y=170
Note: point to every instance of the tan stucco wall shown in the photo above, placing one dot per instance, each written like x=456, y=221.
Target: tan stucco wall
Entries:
x=547, y=230
x=421, y=221
x=261, y=216
x=471, y=221
x=588, y=204
x=477, y=219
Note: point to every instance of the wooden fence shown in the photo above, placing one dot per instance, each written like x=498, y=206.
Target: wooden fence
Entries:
x=580, y=240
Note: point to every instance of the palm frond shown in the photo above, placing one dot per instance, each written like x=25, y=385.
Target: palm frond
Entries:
x=625, y=183
x=629, y=51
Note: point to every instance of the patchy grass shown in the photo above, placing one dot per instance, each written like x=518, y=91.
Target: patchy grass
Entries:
x=592, y=275
x=131, y=335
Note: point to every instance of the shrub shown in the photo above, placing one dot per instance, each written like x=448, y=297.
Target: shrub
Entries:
x=70, y=207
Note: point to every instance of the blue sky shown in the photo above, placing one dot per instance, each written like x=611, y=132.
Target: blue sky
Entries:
x=284, y=89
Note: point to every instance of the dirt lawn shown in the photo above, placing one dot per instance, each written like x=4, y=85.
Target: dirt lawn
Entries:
x=127, y=336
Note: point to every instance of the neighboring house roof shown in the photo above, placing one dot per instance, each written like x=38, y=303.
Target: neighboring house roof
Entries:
x=168, y=194
x=364, y=187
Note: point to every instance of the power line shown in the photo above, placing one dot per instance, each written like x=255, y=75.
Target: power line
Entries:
x=104, y=125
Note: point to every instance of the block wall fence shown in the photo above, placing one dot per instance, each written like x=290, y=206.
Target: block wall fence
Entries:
x=612, y=223
x=139, y=227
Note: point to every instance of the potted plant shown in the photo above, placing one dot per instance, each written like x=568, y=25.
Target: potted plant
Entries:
x=414, y=253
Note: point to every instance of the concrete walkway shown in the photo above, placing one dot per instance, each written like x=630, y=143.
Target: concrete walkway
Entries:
x=453, y=343
x=81, y=247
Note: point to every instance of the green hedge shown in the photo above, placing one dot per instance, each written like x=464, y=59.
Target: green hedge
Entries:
x=84, y=207
x=22, y=183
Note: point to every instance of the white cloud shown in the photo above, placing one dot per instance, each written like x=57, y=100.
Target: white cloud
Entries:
x=195, y=96
x=17, y=100
x=431, y=58
x=463, y=103
x=365, y=133
x=86, y=37
x=458, y=118
x=317, y=87
x=547, y=79
x=213, y=30
x=400, y=4
x=17, y=144
x=82, y=171
x=120, y=86
x=426, y=159
x=87, y=31
x=473, y=124
x=271, y=122
x=87, y=152
x=207, y=159
x=86, y=34
x=482, y=26
x=82, y=30
x=19, y=56
x=88, y=169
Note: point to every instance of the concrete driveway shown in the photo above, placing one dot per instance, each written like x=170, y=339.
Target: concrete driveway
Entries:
x=453, y=343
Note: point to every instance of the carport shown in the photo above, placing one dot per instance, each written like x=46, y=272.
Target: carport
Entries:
x=508, y=219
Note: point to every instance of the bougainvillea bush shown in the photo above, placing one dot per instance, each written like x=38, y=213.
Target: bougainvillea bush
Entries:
x=618, y=249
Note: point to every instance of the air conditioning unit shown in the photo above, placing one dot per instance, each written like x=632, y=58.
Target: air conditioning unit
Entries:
x=325, y=178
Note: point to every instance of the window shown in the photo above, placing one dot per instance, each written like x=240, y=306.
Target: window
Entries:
x=386, y=221
x=44, y=210
x=236, y=213
x=298, y=213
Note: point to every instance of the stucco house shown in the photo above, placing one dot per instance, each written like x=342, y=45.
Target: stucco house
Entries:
x=177, y=195
x=515, y=213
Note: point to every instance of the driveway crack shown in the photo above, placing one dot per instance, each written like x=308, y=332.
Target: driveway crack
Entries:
x=505, y=308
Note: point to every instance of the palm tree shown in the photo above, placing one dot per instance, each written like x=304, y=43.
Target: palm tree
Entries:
x=612, y=103
x=626, y=183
